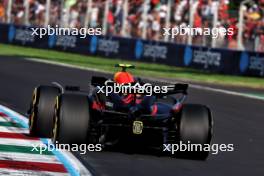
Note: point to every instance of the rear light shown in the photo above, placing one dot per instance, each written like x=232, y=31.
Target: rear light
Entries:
x=177, y=107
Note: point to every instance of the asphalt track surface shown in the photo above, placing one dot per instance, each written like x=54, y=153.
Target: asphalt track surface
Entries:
x=237, y=120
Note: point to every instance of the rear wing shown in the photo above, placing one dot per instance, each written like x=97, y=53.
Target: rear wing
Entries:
x=178, y=88
x=171, y=89
x=98, y=81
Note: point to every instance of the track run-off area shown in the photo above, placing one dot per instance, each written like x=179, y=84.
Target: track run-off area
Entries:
x=21, y=154
x=238, y=120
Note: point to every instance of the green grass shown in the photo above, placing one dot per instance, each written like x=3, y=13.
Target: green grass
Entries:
x=143, y=69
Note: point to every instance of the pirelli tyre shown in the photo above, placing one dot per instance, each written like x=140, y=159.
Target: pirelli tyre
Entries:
x=71, y=120
x=42, y=111
x=195, y=127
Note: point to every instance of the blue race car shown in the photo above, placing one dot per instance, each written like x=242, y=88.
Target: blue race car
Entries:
x=141, y=117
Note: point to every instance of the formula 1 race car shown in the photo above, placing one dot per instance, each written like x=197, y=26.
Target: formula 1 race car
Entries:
x=70, y=115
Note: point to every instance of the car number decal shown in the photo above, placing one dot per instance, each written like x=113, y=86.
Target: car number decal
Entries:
x=137, y=127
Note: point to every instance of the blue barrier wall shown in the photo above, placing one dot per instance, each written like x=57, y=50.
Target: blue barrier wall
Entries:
x=202, y=58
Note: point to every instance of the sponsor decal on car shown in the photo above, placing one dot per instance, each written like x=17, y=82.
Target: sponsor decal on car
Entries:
x=137, y=127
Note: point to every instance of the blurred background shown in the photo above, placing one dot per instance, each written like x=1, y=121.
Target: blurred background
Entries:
x=146, y=19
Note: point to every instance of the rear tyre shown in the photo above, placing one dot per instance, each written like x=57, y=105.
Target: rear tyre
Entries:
x=195, y=127
x=42, y=111
x=71, y=120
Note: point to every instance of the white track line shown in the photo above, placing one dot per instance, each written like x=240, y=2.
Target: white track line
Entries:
x=227, y=92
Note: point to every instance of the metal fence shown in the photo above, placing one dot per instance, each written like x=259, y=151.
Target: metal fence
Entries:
x=146, y=19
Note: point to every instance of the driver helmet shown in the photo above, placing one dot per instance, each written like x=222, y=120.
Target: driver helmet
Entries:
x=123, y=78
